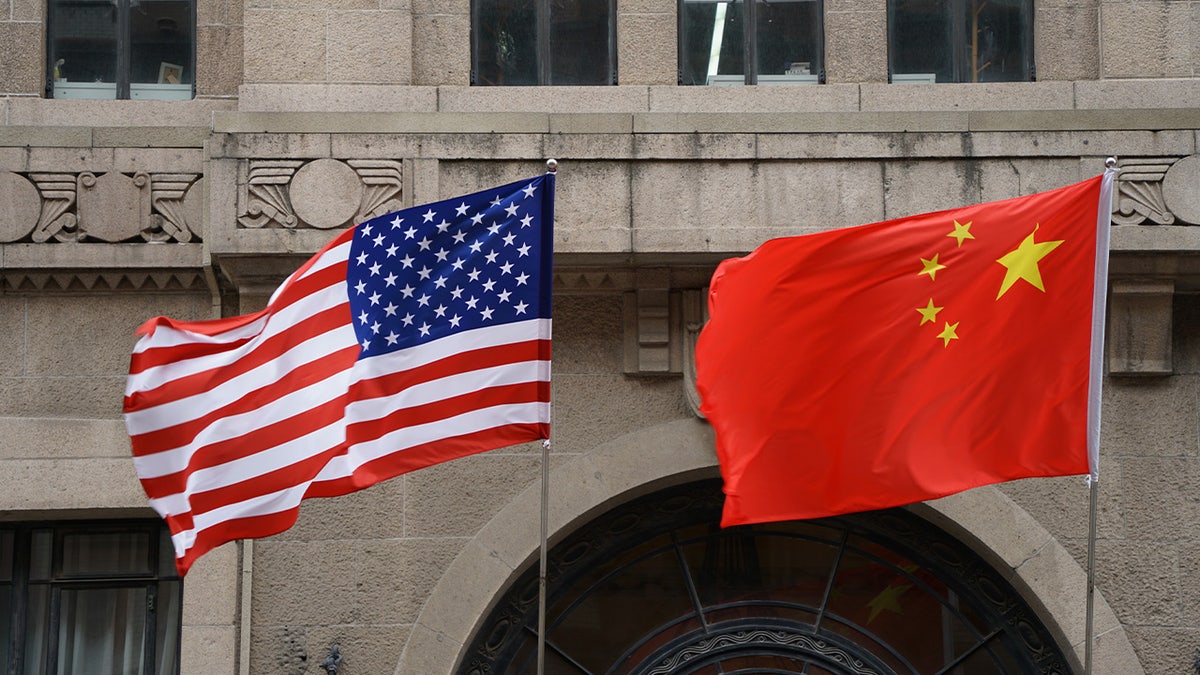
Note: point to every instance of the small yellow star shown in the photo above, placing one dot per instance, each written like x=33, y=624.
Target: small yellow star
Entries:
x=949, y=333
x=961, y=231
x=928, y=313
x=931, y=266
x=889, y=599
x=1022, y=263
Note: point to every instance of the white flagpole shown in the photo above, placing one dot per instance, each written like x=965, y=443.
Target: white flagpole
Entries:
x=1103, y=227
x=551, y=167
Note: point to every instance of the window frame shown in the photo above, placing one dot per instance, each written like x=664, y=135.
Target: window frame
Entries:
x=750, y=40
x=956, y=14
x=543, y=52
x=155, y=582
x=124, y=48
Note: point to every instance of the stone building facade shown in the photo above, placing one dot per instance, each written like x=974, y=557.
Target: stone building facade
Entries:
x=305, y=117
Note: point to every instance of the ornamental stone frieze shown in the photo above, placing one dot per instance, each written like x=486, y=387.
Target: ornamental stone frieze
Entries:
x=1158, y=191
x=322, y=193
x=100, y=207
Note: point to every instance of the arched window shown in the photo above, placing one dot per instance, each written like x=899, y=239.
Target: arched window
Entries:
x=537, y=42
x=960, y=40
x=782, y=40
x=656, y=586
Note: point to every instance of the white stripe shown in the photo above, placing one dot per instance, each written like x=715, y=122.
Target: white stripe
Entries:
x=451, y=345
x=431, y=391
x=167, y=336
x=227, y=428
x=399, y=440
x=273, y=325
x=187, y=408
x=275, y=502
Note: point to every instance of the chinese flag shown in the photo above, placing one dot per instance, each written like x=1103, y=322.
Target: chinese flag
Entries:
x=891, y=363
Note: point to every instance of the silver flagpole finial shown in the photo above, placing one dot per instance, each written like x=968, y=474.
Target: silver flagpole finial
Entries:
x=552, y=165
x=1111, y=162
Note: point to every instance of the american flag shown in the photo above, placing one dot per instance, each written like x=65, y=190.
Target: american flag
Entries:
x=410, y=339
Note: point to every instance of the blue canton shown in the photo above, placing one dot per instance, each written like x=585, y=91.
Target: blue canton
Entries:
x=469, y=262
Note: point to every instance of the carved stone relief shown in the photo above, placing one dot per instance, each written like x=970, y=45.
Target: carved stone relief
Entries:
x=322, y=193
x=99, y=207
x=1158, y=191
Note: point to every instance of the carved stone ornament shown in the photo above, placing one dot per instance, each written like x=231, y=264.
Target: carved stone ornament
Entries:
x=19, y=206
x=1158, y=191
x=322, y=193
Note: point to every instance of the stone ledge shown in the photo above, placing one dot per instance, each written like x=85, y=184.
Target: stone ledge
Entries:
x=101, y=256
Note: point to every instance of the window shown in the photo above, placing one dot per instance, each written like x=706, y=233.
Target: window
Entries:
x=783, y=39
x=960, y=40
x=89, y=598
x=533, y=42
x=129, y=49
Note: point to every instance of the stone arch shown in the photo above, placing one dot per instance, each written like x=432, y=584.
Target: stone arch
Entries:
x=1049, y=579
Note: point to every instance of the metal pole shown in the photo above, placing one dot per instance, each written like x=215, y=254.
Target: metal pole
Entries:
x=1093, y=490
x=551, y=167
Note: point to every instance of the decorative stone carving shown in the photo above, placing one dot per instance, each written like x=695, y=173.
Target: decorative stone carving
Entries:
x=178, y=198
x=112, y=206
x=695, y=315
x=106, y=280
x=58, y=219
x=651, y=317
x=264, y=198
x=322, y=193
x=1142, y=188
x=19, y=206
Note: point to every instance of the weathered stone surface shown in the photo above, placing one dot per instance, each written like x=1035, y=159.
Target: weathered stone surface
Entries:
x=326, y=193
x=1181, y=189
x=20, y=205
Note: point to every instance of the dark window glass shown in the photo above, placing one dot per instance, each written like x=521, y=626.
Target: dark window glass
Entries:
x=89, y=598
x=536, y=42
x=783, y=38
x=960, y=40
x=108, y=49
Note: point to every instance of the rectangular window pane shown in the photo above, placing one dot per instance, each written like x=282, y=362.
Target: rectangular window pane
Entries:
x=161, y=39
x=712, y=42
x=83, y=48
x=106, y=553
x=579, y=47
x=506, y=42
x=41, y=547
x=5, y=622
x=920, y=40
x=998, y=44
x=170, y=595
x=6, y=554
x=788, y=34
x=36, y=616
x=102, y=631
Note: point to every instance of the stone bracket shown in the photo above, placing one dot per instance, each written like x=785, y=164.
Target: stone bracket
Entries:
x=653, y=333
x=1139, y=328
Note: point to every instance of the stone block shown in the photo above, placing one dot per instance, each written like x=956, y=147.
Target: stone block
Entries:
x=1159, y=494
x=1066, y=42
x=219, y=60
x=53, y=438
x=272, y=145
x=1152, y=417
x=647, y=7
x=395, y=577
x=159, y=160
x=72, y=483
x=1164, y=649
x=429, y=651
x=1140, y=580
x=1061, y=504
x=285, y=45
x=374, y=513
x=969, y=96
x=86, y=397
x=60, y=112
x=920, y=187
x=373, y=47
x=1148, y=39
x=210, y=596
x=365, y=649
x=693, y=146
x=1189, y=577
x=812, y=196
x=1141, y=94
x=587, y=329
x=590, y=124
x=13, y=337
x=856, y=54
x=585, y=146
x=1002, y=179
x=590, y=409
x=97, y=160
x=563, y=99
x=676, y=206
x=455, y=499
x=302, y=583
x=646, y=48
x=800, y=98
x=28, y=10
x=329, y=98
x=1139, y=328
x=208, y=649
x=442, y=56
x=20, y=70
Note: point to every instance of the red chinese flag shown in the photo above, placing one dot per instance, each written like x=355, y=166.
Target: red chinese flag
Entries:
x=890, y=363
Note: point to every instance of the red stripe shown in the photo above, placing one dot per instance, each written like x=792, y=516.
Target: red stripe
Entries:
x=269, y=350
x=269, y=436
x=428, y=454
x=282, y=478
x=477, y=359
x=185, y=432
x=158, y=356
x=238, y=528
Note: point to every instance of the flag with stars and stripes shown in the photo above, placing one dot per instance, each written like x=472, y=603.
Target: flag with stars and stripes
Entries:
x=410, y=339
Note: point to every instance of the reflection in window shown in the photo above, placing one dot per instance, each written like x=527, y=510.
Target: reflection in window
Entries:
x=657, y=583
x=89, y=598
x=782, y=38
x=128, y=49
x=536, y=42
x=960, y=40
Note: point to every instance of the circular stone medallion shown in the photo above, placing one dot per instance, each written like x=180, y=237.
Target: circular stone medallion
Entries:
x=20, y=205
x=326, y=193
x=1181, y=189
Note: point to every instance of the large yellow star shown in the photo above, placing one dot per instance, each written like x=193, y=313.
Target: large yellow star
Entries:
x=961, y=231
x=1022, y=263
x=950, y=332
x=931, y=266
x=928, y=313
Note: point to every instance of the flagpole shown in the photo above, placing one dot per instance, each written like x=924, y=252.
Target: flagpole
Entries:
x=551, y=168
x=1103, y=227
